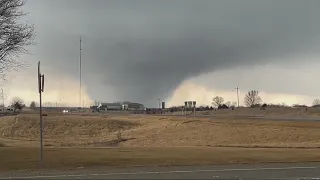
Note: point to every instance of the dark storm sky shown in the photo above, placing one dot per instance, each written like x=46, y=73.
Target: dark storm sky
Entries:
x=142, y=49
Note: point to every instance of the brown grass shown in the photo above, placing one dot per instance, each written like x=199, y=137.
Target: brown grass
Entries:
x=153, y=140
x=227, y=132
x=63, y=128
x=2, y=144
x=28, y=158
x=157, y=131
x=285, y=111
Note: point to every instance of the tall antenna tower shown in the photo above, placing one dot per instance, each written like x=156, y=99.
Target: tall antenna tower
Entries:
x=237, y=88
x=80, y=73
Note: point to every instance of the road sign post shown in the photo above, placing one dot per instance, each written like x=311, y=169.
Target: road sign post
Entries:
x=185, y=108
x=40, y=89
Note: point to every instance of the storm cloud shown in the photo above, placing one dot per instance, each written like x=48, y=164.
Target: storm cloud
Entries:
x=139, y=50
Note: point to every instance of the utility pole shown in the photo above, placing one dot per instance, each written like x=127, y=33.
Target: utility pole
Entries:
x=159, y=103
x=80, y=73
x=2, y=100
x=238, y=95
x=41, y=87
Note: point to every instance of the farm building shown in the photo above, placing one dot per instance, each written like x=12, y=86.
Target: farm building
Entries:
x=121, y=106
x=299, y=106
x=133, y=106
x=110, y=106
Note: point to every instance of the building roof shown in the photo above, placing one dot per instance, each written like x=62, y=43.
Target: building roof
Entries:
x=110, y=104
x=134, y=105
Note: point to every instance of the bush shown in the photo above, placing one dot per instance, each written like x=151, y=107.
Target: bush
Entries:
x=223, y=106
x=255, y=106
x=33, y=105
x=264, y=106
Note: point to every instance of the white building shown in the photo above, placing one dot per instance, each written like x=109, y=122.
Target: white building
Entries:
x=121, y=106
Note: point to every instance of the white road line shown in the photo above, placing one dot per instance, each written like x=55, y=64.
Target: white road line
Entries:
x=258, y=169
x=154, y=172
x=293, y=178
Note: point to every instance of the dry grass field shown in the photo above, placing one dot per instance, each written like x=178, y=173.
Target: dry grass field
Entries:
x=91, y=140
x=74, y=158
x=278, y=112
x=157, y=131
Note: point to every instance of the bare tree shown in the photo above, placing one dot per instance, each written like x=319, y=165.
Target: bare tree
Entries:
x=316, y=102
x=17, y=103
x=217, y=101
x=252, y=98
x=14, y=35
x=228, y=103
x=33, y=105
x=234, y=104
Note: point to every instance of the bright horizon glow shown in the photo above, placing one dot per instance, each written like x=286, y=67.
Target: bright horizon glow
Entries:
x=65, y=92
x=203, y=95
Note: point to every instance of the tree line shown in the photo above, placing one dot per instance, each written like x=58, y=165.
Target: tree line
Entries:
x=252, y=99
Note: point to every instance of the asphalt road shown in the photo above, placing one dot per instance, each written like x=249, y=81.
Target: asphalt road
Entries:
x=288, y=171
